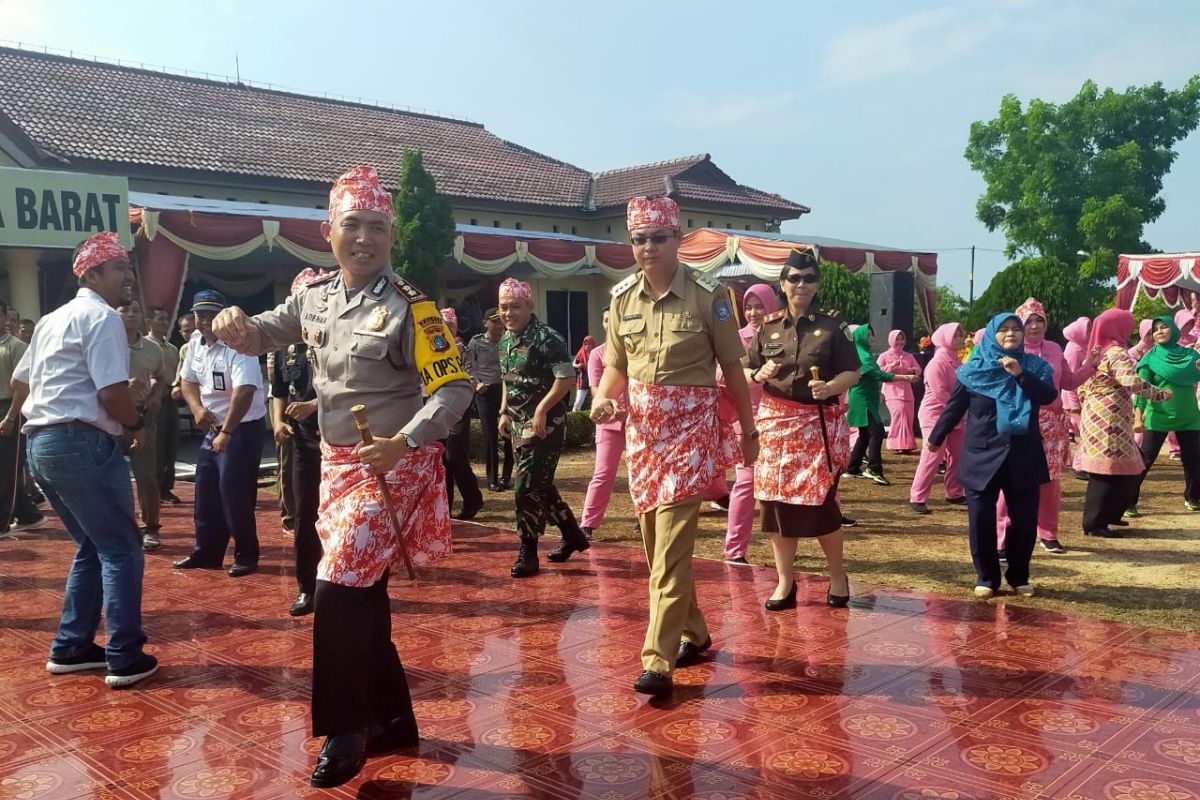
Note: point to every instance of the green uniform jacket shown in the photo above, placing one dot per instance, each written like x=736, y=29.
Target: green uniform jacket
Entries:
x=864, y=395
x=1180, y=413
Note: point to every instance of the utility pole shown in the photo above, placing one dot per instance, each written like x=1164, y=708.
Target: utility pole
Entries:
x=971, y=281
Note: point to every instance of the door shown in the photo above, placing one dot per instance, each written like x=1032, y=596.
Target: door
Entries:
x=567, y=313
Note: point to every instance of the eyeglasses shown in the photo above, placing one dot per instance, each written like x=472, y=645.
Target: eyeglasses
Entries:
x=802, y=277
x=657, y=238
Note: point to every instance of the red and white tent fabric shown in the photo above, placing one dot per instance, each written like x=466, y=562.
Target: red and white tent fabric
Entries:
x=1174, y=277
x=762, y=255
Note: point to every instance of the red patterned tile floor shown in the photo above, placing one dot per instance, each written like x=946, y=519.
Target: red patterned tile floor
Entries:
x=523, y=689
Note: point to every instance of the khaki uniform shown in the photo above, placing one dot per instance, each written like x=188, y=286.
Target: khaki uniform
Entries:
x=676, y=340
x=13, y=499
x=818, y=339
x=146, y=364
x=167, y=421
x=383, y=346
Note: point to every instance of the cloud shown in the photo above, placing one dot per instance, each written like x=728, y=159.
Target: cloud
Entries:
x=731, y=111
x=22, y=19
x=909, y=45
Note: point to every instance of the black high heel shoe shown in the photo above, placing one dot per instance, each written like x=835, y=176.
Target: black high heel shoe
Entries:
x=788, y=601
x=837, y=600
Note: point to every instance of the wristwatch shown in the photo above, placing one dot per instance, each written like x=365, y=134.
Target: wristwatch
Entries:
x=411, y=444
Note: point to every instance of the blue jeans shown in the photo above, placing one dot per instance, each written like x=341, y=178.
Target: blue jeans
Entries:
x=86, y=479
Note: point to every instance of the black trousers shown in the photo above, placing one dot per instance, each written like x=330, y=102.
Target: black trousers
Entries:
x=167, y=443
x=1106, y=499
x=487, y=405
x=1021, y=535
x=1189, y=454
x=14, y=500
x=226, y=490
x=306, y=500
x=457, y=459
x=358, y=679
x=870, y=443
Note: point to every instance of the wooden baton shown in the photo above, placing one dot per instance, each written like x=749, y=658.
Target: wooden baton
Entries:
x=815, y=373
x=364, y=428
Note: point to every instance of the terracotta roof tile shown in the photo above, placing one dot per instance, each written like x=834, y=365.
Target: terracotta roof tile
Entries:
x=81, y=110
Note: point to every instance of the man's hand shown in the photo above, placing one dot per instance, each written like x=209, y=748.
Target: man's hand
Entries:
x=505, y=426
x=301, y=409
x=136, y=440
x=232, y=326
x=749, y=449
x=382, y=455
x=540, y=425
x=206, y=419
x=1011, y=365
x=176, y=393
x=480, y=387
x=8, y=426
x=604, y=410
x=220, y=442
x=283, y=432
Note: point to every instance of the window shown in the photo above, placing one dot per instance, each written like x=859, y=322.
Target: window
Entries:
x=233, y=199
x=555, y=228
x=608, y=228
x=574, y=230
x=519, y=226
x=728, y=226
x=689, y=223
x=495, y=223
x=474, y=221
x=567, y=313
x=709, y=225
x=747, y=227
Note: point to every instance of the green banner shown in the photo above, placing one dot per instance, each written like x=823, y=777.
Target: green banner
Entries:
x=60, y=209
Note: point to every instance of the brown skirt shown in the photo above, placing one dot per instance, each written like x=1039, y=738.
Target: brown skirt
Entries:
x=803, y=522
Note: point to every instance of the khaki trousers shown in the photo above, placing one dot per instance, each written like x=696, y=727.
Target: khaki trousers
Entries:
x=669, y=536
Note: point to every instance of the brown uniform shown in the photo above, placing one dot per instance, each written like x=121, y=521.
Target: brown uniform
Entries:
x=817, y=339
x=669, y=349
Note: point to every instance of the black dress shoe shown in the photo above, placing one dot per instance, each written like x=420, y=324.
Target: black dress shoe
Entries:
x=398, y=734
x=920, y=508
x=240, y=570
x=788, y=601
x=957, y=501
x=170, y=499
x=690, y=653
x=340, y=759
x=653, y=683
x=570, y=546
x=469, y=510
x=302, y=606
x=495, y=487
x=1120, y=523
x=837, y=600
x=194, y=562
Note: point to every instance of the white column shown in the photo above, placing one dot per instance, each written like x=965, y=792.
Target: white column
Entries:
x=23, y=286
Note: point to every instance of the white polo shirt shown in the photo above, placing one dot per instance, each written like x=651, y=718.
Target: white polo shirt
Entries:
x=218, y=369
x=76, y=351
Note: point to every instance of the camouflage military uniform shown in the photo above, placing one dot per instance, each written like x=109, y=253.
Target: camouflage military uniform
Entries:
x=530, y=362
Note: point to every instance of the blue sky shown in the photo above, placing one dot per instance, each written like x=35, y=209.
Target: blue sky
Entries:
x=858, y=110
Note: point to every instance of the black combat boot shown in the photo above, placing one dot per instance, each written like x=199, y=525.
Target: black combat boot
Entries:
x=526, y=564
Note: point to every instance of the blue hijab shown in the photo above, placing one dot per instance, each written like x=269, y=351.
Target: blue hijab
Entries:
x=982, y=374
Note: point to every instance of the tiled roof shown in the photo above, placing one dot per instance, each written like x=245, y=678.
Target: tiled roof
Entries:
x=90, y=111
x=694, y=178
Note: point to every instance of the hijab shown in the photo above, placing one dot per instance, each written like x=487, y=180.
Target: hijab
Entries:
x=1077, y=332
x=1173, y=362
x=943, y=339
x=983, y=375
x=770, y=302
x=1185, y=321
x=1113, y=327
x=861, y=336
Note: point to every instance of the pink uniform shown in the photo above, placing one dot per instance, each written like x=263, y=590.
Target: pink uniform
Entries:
x=610, y=443
x=1074, y=354
x=898, y=395
x=940, y=381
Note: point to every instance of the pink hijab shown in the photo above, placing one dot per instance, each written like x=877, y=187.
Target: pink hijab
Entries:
x=943, y=339
x=894, y=343
x=1185, y=320
x=770, y=301
x=1077, y=332
x=1113, y=327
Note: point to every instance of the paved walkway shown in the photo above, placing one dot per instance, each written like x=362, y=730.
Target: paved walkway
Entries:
x=523, y=689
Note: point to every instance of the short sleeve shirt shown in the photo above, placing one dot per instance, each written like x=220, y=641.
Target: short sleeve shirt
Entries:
x=530, y=362
x=218, y=369
x=76, y=351
x=145, y=364
x=291, y=380
x=676, y=340
x=797, y=345
x=11, y=350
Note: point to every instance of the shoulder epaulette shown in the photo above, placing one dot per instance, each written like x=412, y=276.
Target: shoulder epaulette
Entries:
x=323, y=277
x=705, y=282
x=775, y=315
x=409, y=292
x=625, y=285
x=832, y=313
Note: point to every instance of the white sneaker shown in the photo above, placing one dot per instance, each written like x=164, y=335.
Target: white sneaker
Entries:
x=1025, y=590
x=984, y=593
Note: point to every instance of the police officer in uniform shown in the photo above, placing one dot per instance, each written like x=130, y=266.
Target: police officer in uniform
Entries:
x=294, y=407
x=379, y=342
x=538, y=376
x=668, y=329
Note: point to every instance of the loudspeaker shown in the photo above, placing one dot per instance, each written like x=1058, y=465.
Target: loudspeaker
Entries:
x=891, y=307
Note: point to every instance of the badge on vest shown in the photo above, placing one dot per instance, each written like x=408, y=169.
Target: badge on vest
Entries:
x=379, y=318
x=722, y=310
x=218, y=381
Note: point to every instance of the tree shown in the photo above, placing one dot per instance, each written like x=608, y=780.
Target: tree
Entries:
x=1052, y=281
x=848, y=293
x=424, y=226
x=1081, y=177
x=1145, y=307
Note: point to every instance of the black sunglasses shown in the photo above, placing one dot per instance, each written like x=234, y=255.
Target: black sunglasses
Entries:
x=657, y=238
x=802, y=277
